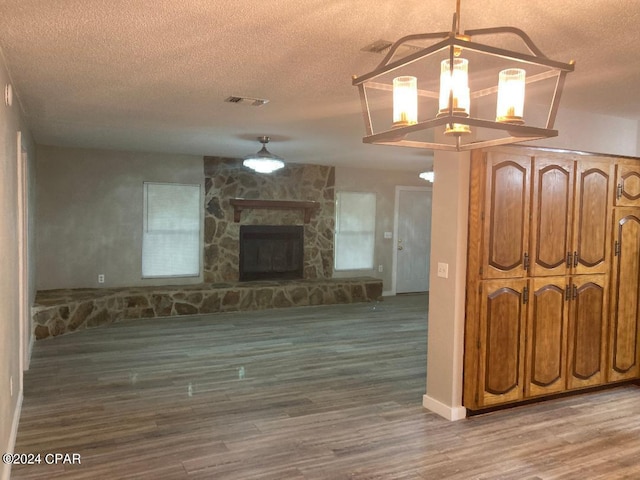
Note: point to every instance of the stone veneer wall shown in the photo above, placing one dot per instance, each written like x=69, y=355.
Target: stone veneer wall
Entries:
x=226, y=178
x=58, y=312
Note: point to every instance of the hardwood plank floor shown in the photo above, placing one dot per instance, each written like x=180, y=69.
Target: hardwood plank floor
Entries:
x=330, y=392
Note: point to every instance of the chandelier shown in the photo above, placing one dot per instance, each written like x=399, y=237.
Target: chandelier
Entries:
x=458, y=94
x=263, y=161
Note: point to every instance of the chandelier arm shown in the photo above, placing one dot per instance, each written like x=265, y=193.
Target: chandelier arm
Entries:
x=408, y=38
x=555, y=103
x=516, y=31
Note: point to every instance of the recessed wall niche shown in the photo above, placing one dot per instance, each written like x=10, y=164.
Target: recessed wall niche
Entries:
x=226, y=178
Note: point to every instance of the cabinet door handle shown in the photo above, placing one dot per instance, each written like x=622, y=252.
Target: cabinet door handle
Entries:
x=526, y=261
x=616, y=248
x=569, y=259
x=567, y=293
x=525, y=295
x=575, y=259
x=575, y=292
x=619, y=191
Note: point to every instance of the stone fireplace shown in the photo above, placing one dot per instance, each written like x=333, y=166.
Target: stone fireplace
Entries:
x=287, y=195
x=271, y=252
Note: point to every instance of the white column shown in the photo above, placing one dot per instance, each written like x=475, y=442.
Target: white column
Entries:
x=445, y=346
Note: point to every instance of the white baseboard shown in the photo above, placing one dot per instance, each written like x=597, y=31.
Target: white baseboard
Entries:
x=450, y=413
x=388, y=293
x=5, y=473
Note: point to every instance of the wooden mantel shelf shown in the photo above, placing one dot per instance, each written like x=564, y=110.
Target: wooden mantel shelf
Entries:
x=240, y=204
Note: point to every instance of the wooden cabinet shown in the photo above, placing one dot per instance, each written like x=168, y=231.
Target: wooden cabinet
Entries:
x=546, y=336
x=592, y=219
x=551, y=213
x=501, y=342
x=571, y=215
x=550, y=308
x=625, y=312
x=587, y=331
x=627, y=184
x=545, y=215
x=506, y=216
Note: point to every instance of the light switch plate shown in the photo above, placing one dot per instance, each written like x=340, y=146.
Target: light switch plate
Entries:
x=443, y=270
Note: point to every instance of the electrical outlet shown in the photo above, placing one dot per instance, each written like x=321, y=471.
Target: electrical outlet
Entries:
x=101, y=278
x=380, y=268
x=443, y=270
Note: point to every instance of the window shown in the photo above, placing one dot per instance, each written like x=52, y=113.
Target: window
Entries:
x=171, y=230
x=355, y=230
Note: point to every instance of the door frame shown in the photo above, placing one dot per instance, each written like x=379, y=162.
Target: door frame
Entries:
x=396, y=212
x=24, y=314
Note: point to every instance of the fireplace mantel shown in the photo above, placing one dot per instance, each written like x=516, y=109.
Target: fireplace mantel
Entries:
x=240, y=204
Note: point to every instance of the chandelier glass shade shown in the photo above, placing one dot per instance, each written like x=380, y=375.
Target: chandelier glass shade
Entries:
x=458, y=94
x=263, y=161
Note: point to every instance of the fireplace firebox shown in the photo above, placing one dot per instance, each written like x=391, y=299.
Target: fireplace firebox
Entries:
x=271, y=252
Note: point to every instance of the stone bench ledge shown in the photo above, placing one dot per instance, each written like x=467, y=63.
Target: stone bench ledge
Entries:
x=57, y=312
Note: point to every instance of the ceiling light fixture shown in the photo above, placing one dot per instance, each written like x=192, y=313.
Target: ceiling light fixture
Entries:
x=476, y=101
x=428, y=176
x=264, y=161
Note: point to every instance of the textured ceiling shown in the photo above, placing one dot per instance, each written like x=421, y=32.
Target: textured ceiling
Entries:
x=153, y=76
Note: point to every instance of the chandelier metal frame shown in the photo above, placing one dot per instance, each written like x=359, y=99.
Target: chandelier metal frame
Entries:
x=455, y=42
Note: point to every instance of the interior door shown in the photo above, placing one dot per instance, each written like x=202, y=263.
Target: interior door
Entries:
x=23, y=252
x=413, y=241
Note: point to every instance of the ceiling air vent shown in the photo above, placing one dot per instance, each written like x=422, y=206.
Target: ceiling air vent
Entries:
x=254, y=102
x=381, y=47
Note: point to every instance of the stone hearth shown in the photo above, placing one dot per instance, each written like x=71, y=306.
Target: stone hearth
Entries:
x=58, y=312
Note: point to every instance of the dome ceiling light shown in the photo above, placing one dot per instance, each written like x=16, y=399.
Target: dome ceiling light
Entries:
x=428, y=176
x=264, y=161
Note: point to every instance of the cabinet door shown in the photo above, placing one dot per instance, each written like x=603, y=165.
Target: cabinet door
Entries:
x=506, y=219
x=551, y=213
x=625, y=281
x=627, y=185
x=587, y=331
x=592, y=226
x=502, y=316
x=547, y=337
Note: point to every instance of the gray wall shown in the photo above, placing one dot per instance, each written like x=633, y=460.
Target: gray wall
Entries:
x=89, y=214
x=12, y=357
x=383, y=183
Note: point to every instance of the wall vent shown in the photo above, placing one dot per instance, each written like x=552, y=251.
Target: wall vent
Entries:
x=254, y=102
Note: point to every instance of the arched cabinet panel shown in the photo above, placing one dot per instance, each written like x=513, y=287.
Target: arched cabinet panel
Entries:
x=502, y=342
x=547, y=337
x=506, y=220
x=625, y=312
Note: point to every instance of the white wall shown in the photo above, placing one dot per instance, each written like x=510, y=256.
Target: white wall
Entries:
x=89, y=214
x=588, y=132
x=10, y=352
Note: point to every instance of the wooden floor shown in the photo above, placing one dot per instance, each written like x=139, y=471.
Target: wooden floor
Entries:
x=329, y=392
